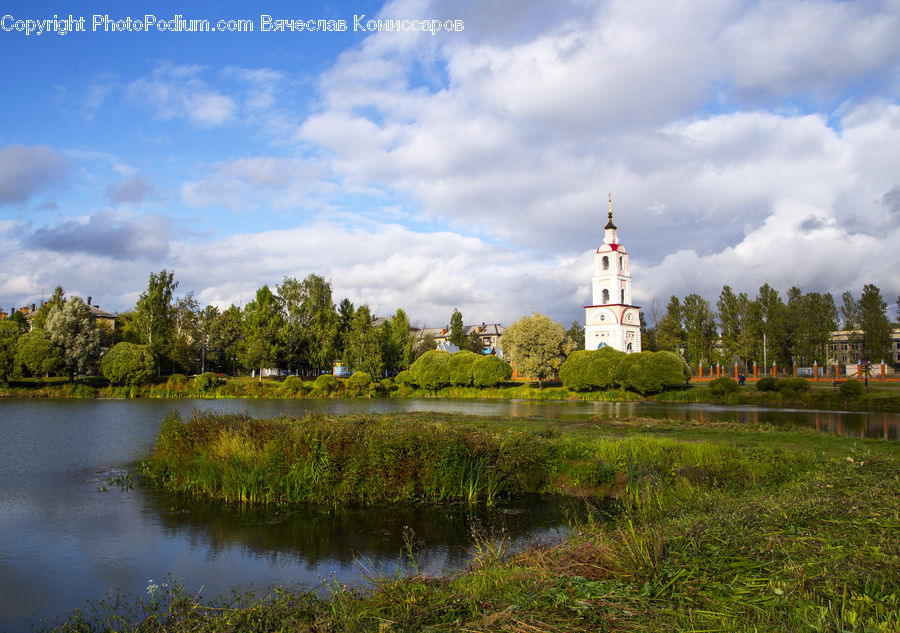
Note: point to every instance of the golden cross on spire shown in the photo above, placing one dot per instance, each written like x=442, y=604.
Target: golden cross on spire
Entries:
x=610, y=206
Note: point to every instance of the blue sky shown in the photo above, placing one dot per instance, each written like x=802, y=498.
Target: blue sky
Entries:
x=743, y=143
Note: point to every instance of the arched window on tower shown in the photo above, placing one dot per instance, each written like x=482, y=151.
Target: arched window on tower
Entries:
x=623, y=296
x=605, y=262
x=621, y=263
x=605, y=295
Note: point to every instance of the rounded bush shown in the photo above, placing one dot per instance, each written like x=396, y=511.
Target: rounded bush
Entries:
x=652, y=372
x=792, y=386
x=292, y=384
x=587, y=370
x=676, y=359
x=206, y=381
x=325, y=385
x=127, y=364
x=461, y=366
x=723, y=385
x=404, y=378
x=766, y=383
x=359, y=382
x=431, y=370
x=490, y=370
x=852, y=389
x=177, y=380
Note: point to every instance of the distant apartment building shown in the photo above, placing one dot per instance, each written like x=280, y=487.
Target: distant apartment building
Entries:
x=846, y=348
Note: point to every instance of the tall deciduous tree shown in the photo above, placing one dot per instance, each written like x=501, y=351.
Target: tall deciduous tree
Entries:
x=184, y=349
x=397, y=343
x=72, y=330
x=346, y=311
x=875, y=324
x=38, y=355
x=225, y=337
x=810, y=319
x=535, y=346
x=154, y=316
x=734, y=321
x=669, y=331
x=56, y=299
x=700, y=330
x=457, y=330
x=574, y=337
x=767, y=318
x=262, y=329
x=321, y=323
x=363, y=351
x=293, y=330
x=9, y=340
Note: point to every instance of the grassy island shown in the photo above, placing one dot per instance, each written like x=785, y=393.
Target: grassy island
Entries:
x=720, y=527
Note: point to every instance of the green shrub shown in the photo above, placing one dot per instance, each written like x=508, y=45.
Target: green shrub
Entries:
x=792, y=386
x=654, y=371
x=206, y=381
x=461, y=366
x=490, y=370
x=325, y=385
x=177, y=380
x=292, y=385
x=672, y=357
x=127, y=364
x=380, y=388
x=405, y=379
x=722, y=386
x=623, y=367
x=575, y=371
x=587, y=370
x=359, y=382
x=852, y=389
x=766, y=383
x=431, y=370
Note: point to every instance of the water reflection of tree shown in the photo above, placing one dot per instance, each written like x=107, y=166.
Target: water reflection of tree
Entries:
x=374, y=535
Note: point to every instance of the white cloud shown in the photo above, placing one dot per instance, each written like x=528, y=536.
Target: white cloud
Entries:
x=178, y=92
x=249, y=183
x=790, y=48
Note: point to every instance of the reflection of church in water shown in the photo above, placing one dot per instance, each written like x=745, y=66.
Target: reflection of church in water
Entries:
x=612, y=320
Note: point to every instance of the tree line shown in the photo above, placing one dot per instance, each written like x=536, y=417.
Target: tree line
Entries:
x=297, y=326
x=768, y=329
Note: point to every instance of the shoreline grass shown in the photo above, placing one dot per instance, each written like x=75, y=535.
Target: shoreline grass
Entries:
x=722, y=528
x=878, y=397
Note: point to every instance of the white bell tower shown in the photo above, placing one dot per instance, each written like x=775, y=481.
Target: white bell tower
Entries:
x=612, y=320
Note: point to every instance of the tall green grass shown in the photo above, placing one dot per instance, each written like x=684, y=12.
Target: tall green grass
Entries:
x=414, y=458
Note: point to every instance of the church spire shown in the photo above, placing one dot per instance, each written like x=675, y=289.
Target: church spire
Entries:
x=609, y=223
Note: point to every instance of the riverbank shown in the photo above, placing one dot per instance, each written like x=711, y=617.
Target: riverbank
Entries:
x=823, y=395
x=720, y=527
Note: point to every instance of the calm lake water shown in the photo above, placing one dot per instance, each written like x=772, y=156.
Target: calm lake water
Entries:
x=67, y=535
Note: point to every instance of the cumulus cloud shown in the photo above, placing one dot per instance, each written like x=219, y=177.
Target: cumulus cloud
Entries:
x=248, y=183
x=178, y=92
x=26, y=171
x=791, y=48
x=134, y=189
x=106, y=234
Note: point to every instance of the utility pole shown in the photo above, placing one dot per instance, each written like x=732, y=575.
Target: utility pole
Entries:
x=765, y=360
